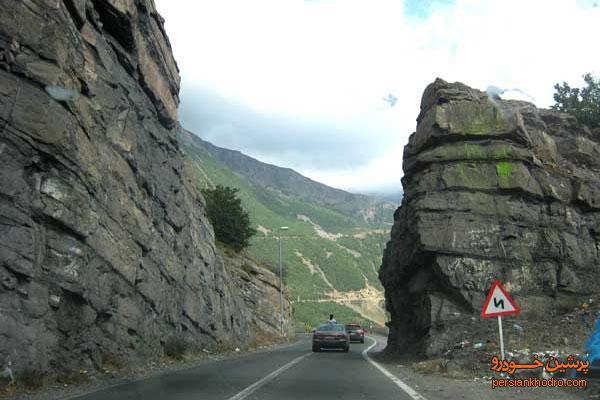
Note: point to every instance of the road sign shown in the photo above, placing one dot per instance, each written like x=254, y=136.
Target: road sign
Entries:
x=498, y=302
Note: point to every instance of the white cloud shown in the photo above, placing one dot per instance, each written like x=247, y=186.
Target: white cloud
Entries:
x=332, y=61
x=381, y=174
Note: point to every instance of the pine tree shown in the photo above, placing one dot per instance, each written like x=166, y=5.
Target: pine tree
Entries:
x=229, y=219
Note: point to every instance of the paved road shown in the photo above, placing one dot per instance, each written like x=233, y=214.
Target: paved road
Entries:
x=288, y=373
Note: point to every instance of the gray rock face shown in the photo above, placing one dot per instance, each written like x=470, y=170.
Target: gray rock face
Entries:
x=260, y=290
x=493, y=189
x=104, y=245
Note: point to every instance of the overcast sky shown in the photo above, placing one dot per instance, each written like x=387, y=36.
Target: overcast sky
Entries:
x=300, y=84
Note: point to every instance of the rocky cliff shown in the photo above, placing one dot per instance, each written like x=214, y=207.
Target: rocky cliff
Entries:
x=492, y=189
x=104, y=244
x=259, y=288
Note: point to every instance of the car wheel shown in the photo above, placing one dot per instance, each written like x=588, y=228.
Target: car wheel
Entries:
x=362, y=340
x=316, y=349
x=346, y=349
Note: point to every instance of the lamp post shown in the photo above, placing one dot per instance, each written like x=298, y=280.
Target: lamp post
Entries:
x=283, y=228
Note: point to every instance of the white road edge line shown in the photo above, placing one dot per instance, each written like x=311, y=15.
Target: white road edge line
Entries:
x=410, y=391
x=252, y=388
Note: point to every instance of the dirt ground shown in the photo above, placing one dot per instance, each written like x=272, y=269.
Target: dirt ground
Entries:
x=440, y=387
x=462, y=369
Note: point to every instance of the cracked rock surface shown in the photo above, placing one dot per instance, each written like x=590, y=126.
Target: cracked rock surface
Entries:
x=493, y=189
x=104, y=245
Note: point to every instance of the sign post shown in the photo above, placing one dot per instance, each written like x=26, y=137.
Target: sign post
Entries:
x=501, y=336
x=498, y=303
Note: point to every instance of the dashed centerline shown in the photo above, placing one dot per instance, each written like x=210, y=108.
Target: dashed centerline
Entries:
x=256, y=385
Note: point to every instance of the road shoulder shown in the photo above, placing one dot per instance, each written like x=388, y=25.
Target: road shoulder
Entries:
x=140, y=372
x=439, y=387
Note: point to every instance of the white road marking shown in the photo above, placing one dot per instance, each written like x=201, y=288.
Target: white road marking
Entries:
x=410, y=391
x=256, y=385
x=125, y=382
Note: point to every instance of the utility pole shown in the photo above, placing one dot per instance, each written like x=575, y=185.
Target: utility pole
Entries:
x=283, y=228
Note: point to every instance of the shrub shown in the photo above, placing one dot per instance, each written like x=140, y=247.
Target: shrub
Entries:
x=176, y=346
x=30, y=379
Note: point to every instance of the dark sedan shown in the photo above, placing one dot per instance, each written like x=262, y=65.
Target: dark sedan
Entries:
x=330, y=336
x=356, y=332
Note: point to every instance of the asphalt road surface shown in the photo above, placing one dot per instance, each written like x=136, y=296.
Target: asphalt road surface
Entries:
x=289, y=373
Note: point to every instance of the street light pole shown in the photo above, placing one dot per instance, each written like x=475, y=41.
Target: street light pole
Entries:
x=283, y=228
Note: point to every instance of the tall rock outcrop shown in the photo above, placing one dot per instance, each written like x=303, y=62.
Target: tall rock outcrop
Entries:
x=104, y=244
x=492, y=189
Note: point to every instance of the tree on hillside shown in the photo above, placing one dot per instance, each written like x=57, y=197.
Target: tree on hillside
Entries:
x=583, y=103
x=229, y=219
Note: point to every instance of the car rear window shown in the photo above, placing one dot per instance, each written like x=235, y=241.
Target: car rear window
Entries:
x=353, y=326
x=331, y=328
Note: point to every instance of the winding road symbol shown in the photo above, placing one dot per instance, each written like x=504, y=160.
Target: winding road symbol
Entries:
x=498, y=302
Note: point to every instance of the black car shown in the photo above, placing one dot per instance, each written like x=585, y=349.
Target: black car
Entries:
x=330, y=336
x=356, y=332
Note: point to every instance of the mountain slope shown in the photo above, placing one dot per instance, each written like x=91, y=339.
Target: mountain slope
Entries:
x=371, y=210
x=332, y=250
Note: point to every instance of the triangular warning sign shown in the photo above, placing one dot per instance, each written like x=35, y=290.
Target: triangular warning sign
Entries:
x=498, y=302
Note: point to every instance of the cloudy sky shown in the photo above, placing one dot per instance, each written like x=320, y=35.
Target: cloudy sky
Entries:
x=301, y=84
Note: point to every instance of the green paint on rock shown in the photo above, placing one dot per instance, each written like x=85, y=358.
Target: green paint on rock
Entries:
x=504, y=171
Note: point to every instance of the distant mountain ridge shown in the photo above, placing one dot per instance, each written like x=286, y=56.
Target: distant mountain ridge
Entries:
x=333, y=245
x=373, y=210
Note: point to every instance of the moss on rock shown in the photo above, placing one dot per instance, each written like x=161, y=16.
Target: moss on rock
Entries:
x=471, y=118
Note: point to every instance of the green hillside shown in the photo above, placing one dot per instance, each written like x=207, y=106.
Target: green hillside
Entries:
x=326, y=251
